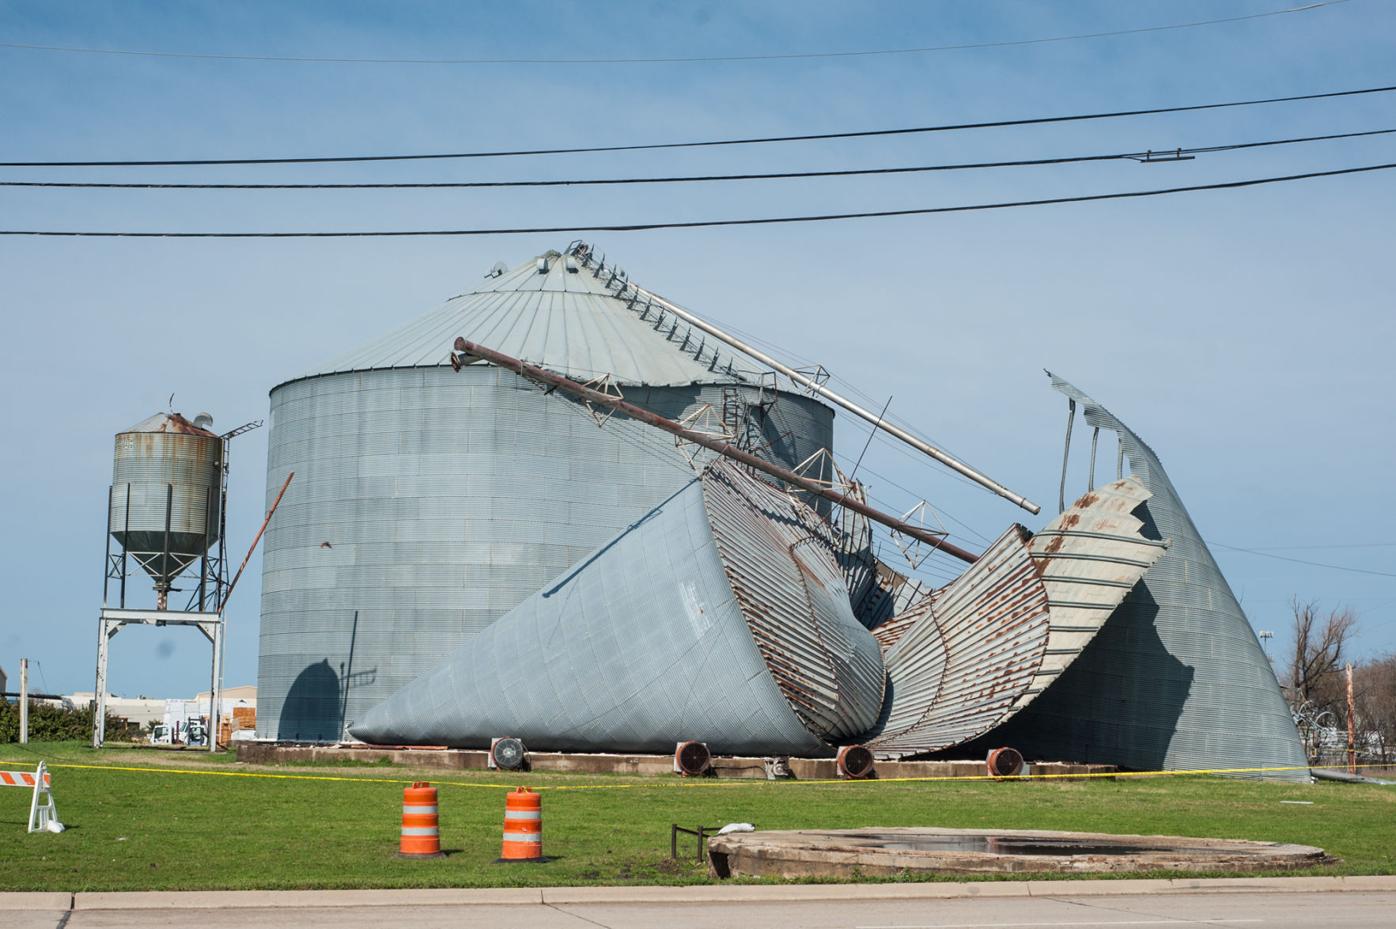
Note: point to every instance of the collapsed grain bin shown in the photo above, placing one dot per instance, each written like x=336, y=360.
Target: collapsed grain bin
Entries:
x=1176, y=678
x=430, y=503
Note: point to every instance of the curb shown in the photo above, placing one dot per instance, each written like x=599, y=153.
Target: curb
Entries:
x=701, y=893
x=36, y=901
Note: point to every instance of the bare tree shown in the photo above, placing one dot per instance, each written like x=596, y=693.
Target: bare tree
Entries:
x=1375, y=684
x=1316, y=686
x=1320, y=648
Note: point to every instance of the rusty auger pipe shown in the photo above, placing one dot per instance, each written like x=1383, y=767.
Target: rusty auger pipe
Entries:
x=534, y=373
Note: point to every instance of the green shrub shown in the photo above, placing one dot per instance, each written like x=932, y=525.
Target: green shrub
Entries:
x=49, y=723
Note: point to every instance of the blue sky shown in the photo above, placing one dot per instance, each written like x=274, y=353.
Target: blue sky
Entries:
x=1245, y=335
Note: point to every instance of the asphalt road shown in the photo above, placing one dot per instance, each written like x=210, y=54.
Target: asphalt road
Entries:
x=1344, y=910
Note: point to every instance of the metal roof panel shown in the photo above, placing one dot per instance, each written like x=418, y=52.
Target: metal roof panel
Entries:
x=571, y=322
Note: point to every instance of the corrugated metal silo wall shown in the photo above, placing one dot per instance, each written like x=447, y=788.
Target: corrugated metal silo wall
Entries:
x=428, y=503
x=1176, y=679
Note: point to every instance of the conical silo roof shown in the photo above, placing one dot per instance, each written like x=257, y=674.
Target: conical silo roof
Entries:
x=556, y=312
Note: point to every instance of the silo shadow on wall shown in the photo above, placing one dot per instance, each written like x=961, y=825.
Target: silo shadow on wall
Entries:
x=312, y=708
x=1119, y=702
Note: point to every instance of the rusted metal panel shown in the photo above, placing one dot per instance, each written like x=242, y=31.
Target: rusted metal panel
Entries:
x=965, y=659
x=1089, y=557
x=780, y=559
x=967, y=654
x=1176, y=678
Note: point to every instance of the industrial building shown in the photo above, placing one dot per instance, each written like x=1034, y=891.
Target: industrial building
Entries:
x=507, y=512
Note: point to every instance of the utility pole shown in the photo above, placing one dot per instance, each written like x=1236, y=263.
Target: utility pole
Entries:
x=24, y=701
x=1352, y=724
x=1265, y=635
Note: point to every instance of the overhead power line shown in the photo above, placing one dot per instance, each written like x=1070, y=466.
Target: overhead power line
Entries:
x=694, y=59
x=1301, y=548
x=707, y=223
x=1304, y=561
x=755, y=140
x=1152, y=157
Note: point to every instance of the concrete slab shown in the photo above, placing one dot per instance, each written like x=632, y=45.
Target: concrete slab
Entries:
x=1351, y=910
x=273, y=900
x=1101, y=888
x=36, y=901
x=843, y=854
x=36, y=919
x=252, y=899
x=779, y=893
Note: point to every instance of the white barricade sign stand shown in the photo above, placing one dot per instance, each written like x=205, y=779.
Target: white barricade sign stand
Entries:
x=43, y=813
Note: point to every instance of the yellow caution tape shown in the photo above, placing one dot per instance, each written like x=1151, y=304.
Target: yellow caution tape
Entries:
x=707, y=782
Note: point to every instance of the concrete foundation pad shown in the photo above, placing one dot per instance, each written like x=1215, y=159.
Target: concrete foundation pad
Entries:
x=889, y=852
x=463, y=759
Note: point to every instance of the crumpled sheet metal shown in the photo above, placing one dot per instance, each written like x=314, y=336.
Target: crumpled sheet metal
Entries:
x=972, y=649
x=968, y=657
x=720, y=615
x=867, y=579
x=1176, y=679
x=1089, y=558
x=780, y=559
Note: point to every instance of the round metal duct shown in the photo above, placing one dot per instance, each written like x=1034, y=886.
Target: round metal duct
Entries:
x=692, y=758
x=1005, y=762
x=508, y=754
x=855, y=762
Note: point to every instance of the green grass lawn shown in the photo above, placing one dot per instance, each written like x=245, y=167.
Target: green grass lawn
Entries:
x=144, y=830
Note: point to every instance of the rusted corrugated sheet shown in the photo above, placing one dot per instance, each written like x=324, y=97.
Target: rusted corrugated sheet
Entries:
x=1176, y=679
x=779, y=557
x=968, y=653
x=1089, y=557
x=869, y=581
x=171, y=423
x=965, y=659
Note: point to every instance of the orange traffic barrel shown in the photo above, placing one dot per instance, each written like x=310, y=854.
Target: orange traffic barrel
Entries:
x=421, y=832
x=523, y=826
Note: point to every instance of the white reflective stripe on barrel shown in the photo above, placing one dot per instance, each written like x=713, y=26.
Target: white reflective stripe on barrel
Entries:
x=419, y=830
x=530, y=838
x=523, y=814
x=418, y=810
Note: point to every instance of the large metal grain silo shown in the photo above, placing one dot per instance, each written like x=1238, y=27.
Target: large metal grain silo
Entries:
x=429, y=503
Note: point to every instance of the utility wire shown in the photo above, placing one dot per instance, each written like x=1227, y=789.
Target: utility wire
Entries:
x=676, y=59
x=707, y=223
x=1303, y=561
x=760, y=140
x=1292, y=548
x=1145, y=157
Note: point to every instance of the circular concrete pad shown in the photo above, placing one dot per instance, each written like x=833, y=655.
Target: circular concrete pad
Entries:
x=845, y=853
